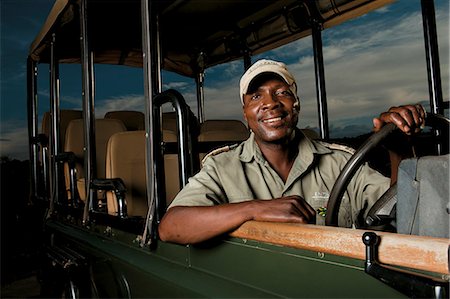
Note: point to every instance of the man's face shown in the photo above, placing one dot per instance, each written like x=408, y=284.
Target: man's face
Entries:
x=270, y=109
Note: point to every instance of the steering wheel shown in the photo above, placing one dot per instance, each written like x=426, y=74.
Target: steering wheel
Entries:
x=335, y=199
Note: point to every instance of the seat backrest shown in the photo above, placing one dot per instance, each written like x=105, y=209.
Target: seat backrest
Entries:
x=133, y=120
x=125, y=159
x=171, y=168
x=422, y=196
x=104, y=129
x=223, y=130
x=66, y=116
x=171, y=163
x=226, y=130
x=169, y=121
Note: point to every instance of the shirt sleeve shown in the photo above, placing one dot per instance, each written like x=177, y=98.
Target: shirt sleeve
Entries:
x=203, y=189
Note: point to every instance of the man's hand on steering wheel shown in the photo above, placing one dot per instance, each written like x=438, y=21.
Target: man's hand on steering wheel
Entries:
x=409, y=118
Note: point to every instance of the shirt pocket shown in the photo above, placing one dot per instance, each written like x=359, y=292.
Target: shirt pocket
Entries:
x=345, y=214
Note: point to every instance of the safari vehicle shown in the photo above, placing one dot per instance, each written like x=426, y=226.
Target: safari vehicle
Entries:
x=107, y=181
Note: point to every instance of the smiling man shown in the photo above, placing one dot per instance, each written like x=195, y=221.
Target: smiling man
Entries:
x=278, y=174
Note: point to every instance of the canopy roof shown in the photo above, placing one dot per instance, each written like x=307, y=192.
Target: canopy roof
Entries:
x=194, y=34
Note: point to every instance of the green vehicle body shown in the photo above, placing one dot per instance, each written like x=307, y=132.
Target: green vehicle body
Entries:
x=229, y=267
x=91, y=254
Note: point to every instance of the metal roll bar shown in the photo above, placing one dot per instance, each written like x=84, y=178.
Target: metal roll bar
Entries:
x=185, y=148
x=432, y=60
x=33, y=126
x=87, y=61
x=316, y=27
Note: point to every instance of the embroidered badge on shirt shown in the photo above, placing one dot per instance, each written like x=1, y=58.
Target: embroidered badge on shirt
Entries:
x=322, y=199
x=320, y=195
x=322, y=211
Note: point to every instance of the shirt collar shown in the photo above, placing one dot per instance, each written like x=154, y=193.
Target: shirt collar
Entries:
x=307, y=149
x=251, y=150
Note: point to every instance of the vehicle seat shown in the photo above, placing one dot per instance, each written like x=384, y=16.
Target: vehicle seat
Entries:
x=125, y=159
x=423, y=207
x=66, y=116
x=104, y=129
x=223, y=130
x=171, y=163
x=171, y=168
x=226, y=130
x=133, y=120
x=169, y=121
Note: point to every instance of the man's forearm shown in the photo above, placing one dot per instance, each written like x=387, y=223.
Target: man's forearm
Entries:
x=196, y=224
x=186, y=225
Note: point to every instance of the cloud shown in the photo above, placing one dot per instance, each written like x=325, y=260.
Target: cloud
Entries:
x=176, y=85
x=71, y=102
x=127, y=102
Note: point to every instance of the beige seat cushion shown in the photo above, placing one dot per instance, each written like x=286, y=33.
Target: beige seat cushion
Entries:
x=126, y=160
x=223, y=130
x=171, y=169
x=104, y=129
x=66, y=116
x=227, y=130
x=133, y=120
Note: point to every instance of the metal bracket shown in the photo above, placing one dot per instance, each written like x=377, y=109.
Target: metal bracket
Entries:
x=117, y=186
x=412, y=284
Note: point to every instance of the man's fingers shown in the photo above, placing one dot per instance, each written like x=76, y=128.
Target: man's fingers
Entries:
x=310, y=209
x=304, y=208
x=423, y=115
x=311, y=212
x=420, y=115
x=413, y=114
x=409, y=118
x=397, y=119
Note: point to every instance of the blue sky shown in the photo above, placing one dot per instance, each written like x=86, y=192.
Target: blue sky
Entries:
x=371, y=63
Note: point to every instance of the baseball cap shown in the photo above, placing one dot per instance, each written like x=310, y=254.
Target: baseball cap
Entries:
x=267, y=66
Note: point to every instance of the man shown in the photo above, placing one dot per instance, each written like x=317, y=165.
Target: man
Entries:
x=278, y=174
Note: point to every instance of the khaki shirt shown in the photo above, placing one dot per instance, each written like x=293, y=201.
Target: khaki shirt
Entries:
x=242, y=174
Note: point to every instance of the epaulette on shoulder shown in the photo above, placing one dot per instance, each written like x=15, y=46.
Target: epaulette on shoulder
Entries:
x=336, y=146
x=219, y=150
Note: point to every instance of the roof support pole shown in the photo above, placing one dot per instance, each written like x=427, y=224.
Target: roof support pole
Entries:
x=54, y=142
x=199, y=82
x=247, y=60
x=32, y=126
x=199, y=70
x=156, y=56
x=148, y=35
x=432, y=57
x=87, y=71
x=320, y=79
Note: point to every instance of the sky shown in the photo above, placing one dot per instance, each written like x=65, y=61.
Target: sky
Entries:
x=371, y=63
